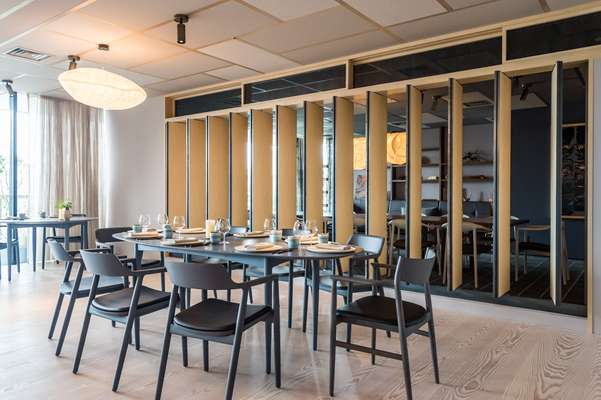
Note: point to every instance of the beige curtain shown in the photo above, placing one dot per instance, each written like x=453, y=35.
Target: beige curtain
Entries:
x=66, y=145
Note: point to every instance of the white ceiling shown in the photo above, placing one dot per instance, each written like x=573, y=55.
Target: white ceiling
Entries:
x=226, y=39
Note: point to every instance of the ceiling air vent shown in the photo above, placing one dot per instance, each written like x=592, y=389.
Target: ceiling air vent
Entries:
x=27, y=54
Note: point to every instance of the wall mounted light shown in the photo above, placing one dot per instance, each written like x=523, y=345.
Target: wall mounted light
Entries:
x=181, y=20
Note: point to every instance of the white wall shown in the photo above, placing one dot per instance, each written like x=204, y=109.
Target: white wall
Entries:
x=133, y=179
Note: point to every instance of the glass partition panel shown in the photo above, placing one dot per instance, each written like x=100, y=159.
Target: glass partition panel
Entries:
x=328, y=164
x=359, y=165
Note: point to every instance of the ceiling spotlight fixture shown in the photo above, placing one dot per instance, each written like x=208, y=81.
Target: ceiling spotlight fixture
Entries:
x=8, y=85
x=98, y=88
x=435, y=100
x=525, y=91
x=181, y=19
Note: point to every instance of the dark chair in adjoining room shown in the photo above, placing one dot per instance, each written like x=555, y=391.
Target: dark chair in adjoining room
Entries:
x=105, y=239
x=359, y=264
x=75, y=288
x=17, y=258
x=285, y=272
x=389, y=314
x=215, y=320
x=59, y=236
x=125, y=306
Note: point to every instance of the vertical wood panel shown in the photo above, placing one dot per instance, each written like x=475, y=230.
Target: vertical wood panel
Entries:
x=286, y=167
x=414, y=172
x=217, y=167
x=238, y=170
x=343, y=169
x=377, y=193
x=455, y=184
x=502, y=206
x=590, y=111
x=198, y=173
x=314, y=163
x=176, y=169
x=556, y=157
x=261, y=168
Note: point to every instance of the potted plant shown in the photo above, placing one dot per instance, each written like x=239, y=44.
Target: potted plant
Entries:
x=64, y=210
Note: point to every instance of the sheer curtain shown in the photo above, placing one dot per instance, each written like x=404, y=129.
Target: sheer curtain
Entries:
x=66, y=155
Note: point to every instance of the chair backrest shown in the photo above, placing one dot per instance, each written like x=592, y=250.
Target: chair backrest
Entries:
x=103, y=264
x=372, y=244
x=238, y=229
x=287, y=232
x=58, y=251
x=105, y=235
x=199, y=275
x=413, y=270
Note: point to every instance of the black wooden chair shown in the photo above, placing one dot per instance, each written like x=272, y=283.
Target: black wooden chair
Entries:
x=75, y=288
x=390, y=314
x=218, y=320
x=285, y=272
x=58, y=235
x=125, y=306
x=105, y=239
x=358, y=265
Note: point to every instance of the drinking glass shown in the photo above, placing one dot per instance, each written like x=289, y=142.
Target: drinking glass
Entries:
x=178, y=222
x=298, y=228
x=267, y=224
x=162, y=219
x=144, y=221
x=312, y=227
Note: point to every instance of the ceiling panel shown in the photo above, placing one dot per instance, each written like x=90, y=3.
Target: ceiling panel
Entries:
x=187, y=63
x=390, y=12
x=457, y=4
x=467, y=18
x=557, y=4
x=142, y=14
x=9, y=6
x=7, y=74
x=215, y=24
x=232, y=73
x=245, y=54
x=33, y=84
x=290, y=9
x=342, y=47
x=140, y=79
x=330, y=24
x=27, y=67
x=51, y=43
x=92, y=29
x=188, y=82
x=133, y=50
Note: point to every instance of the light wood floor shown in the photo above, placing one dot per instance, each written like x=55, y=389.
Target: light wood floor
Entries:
x=480, y=358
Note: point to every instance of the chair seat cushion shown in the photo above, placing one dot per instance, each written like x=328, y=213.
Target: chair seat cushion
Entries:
x=214, y=315
x=383, y=310
x=281, y=270
x=534, y=246
x=62, y=238
x=119, y=301
x=106, y=284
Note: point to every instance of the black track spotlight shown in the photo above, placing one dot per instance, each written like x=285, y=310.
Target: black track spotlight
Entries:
x=8, y=85
x=525, y=91
x=181, y=20
x=73, y=61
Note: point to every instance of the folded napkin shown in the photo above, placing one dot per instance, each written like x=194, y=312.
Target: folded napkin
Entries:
x=191, y=230
x=333, y=246
x=179, y=241
x=144, y=234
x=257, y=246
x=250, y=234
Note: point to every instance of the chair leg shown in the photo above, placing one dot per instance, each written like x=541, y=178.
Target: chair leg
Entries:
x=43, y=248
x=162, y=281
x=67, y=319
x=205, y=355
x=373, y=346
x=57, y=310
x=82, y=341
x=185, y=351
x=290, y=293
x=305, y=305
x=137, y=332
x=315, y=311
x=333, y=324
x=433, y=350
x=163, y=364
x=18, y=257
x=406, y=370
x=231, y=376
x=277, y=351
x=123, y=352
x=268, y=347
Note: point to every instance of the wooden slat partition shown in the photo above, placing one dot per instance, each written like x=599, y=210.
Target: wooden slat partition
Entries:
x=556, y=158
x=176, y=169
x=238, y=199
x=286, y=166
x=502, y=203
x=313, y=163
x=343, y=169
x=217, y=167
x=455, y=185
x=198, y=174
x=413, y=222
x=261, y=168
x=377, y=193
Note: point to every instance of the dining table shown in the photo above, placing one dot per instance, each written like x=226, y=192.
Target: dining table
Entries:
x=14, y=223
x=227, y=251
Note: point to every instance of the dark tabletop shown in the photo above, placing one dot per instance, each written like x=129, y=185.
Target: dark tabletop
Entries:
x=47, y=221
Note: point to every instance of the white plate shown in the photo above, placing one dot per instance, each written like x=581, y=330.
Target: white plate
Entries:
x=190, y=242
x=269, y=249
x=315, y=249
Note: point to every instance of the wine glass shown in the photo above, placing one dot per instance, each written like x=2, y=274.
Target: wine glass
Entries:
x=298, y=228
x=224, y=228
x=162, y=219
x=178, y=222
x=312, y=227
x=144, y=221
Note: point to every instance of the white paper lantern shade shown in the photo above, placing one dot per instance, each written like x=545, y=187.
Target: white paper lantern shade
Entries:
x=101, y=89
